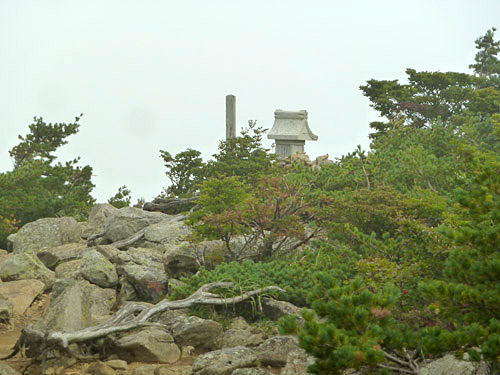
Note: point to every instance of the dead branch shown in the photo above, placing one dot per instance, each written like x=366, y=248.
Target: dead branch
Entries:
x=132, y=315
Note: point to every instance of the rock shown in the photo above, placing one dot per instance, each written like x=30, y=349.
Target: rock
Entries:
x=449, y=364
x=163, y=370
x=57, y=255
x=69, y=270
x=166, y=232
x=224, y=361
x=7, y=370
x=46, y=233
x=241, y=337
x=274, y=351
x=26, y=266
x=127, y=221
x=180, y=260
x=297, y=363
x=117, y=364
x=143, y=269
x=76, y=304
x=192, y=330
x=6, y=310
x=21, y=293
x=240, y=323
x=251, y=371
x=274, y=309
x=110, y=252
x=98, y=270
x=97, y=217
x=4, y=255
x=187, y=351
x=148, y=345
x=99, y=368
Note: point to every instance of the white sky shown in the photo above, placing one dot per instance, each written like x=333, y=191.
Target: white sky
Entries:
x=151, y=75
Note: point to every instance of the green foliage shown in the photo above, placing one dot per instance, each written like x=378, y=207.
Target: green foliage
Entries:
x=288, y=274
x=487, y=63
x=122, y=198
x=38, y=187
x=185, y=171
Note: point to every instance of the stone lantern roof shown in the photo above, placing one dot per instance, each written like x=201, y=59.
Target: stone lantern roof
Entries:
x=291, y=126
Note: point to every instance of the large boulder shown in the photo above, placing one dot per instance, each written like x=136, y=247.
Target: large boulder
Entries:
x=153, y=345
x=165, y=232
x=251, y=371
x=449, y=364
x=275, y=309
x=297, y=363
x=7, y=370
x=69, y=270
x=192, y=330
x=44, y=234
x=224, y=361
x=57, y=255
x=180, y=260
x=143, y=269
x=274, y=351
x=127, y=221
x=21, y=293
x=97, y=218
x=98, y=270
x=76, y=304
x=26, y=266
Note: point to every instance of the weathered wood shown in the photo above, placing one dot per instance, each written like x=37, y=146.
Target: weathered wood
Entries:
x=171, y=206
x=132, y=315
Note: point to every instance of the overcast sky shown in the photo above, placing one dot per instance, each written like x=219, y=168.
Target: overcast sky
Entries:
x=151, y=75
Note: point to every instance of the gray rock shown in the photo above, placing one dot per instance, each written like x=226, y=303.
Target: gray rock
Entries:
x=76, y=304
x=274, y=351
x=241, y=337
x=449, y=364
x=117, y=364
x=127, y=221
x=99, y=368
x=46, y=233
x=97, y=217
x=26, y=266
x=6, y=310
x=192, y=330
x=110, y=252
x=69, y=270
x=166, y=232
x=7, y=370
x=149, y=345
x=163, y=370
x=57, y=255
x=251, y=371
x=224, y=361
x=21, y=294
x=180, y=260
x=297, y=363
x=143, y=269
x=98, y=270
x=274, y=309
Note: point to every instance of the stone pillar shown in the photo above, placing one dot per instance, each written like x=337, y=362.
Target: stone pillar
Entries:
x=230, y=116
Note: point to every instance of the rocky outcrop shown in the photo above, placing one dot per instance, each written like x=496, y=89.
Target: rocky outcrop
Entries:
x=274, y=351
x=224, y=361
x=192, y=330
x=44, y=234
x=240, y=333
x=180, y=260
x=166, y=232
x=97, y=218
x=297, y=362
x=26, y=266
x=251, y=371
x=21, y=293
x=69, y=270
x=57, y=255
x=153, y=345
x=76, y=305
x=449, y=364
x=143, y=269
x=98, y=270
x=126, y=221
x=274, y=309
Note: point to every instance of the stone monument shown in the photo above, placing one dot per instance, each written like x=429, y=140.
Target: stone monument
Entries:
x=290, y=132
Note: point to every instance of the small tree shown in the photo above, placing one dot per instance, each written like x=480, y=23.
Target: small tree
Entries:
x=121, y=199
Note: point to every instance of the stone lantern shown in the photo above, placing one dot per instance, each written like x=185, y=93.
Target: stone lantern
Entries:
x=290, y=132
